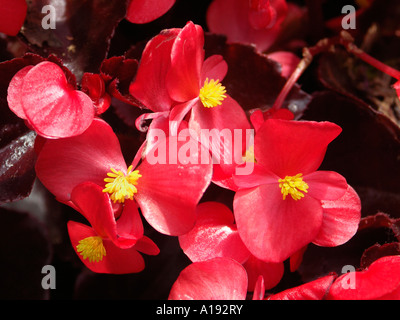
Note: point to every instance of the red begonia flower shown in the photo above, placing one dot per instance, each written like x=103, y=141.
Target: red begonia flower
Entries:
x=12, y=16
x=144, y=11
x=278, y=208
x=255, y=22
x=42, y=96
x=167, y=193
x=108, y=246
x=173, y=79
x=214, y=279
x=313, y=290
x=380, y=281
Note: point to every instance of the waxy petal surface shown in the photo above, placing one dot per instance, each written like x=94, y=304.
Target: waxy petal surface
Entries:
x=64, y=163
x=340, y=221
x=169, y=191
x=187, y=57
x=53, y=108
x=149, y=84
x=314, y=290
x=214, y=235
x=326, y=185
x=214, y=279
x=288, y=148
x=272, y=228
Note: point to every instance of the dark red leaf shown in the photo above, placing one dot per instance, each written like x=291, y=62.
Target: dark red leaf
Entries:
x=82, y=34
x=17, y=172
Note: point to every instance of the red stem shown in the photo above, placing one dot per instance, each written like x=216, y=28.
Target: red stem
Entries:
x=324, y=45
x=372, y=61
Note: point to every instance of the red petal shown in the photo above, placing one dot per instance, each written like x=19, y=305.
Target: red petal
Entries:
x=257, y=177
x=51, y=105
x=116, y=260
x=326, y=185
x=215, y=279
x=147, y=246
x=340, y=221
x=187, y=57
x=379, y=281
x=214, y=235
x=12, y=16
x=258, y=117
x=129, y=226
x=314, y=290
x=168, y=192
x=229, y=116
x=226, y=120
x=14, y=92
x=214, y=67
x=272, y=228
x=222, y=120
x=149, y=84
x=94, y=86
x=144, y=11
x=64, y=163
x=178, y=113
x=259, y=289
x=96, y=207
x=297, y=258
x=271, y=272
x=291, y=147
x=287, y=60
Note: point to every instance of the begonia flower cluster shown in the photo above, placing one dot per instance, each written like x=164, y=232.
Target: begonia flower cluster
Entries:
x=193, y=133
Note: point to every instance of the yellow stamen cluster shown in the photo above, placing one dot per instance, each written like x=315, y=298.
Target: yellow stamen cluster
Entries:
x=293, y=185
x=249, y=155
x=122, y=186
x=212, y=93
x=92, y=248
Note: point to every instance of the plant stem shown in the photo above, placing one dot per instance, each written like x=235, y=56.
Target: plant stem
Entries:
x=308, y=55
x=325, y=45
x=353, y=49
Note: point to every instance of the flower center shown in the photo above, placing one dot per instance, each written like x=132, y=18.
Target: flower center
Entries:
x=121, y=186
x=212, y=93
x=293, y=185
x=91, y=248
x=249, y=155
